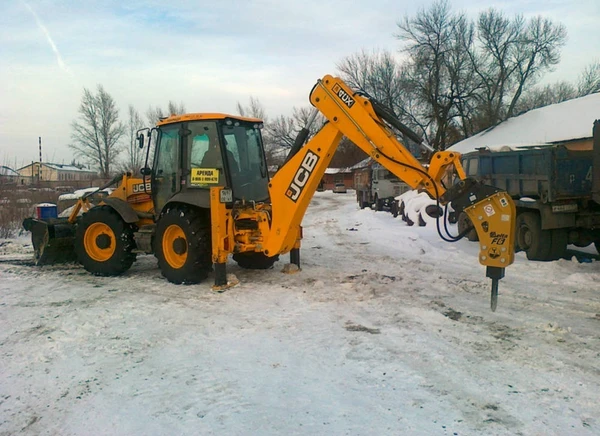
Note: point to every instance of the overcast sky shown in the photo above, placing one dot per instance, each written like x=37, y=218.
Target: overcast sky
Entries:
x=206, y=54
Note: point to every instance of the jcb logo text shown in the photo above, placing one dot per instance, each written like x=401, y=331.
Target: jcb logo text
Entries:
x=140, y=188
x=302, y=175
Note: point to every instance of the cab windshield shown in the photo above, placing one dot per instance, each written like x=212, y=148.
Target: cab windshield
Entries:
x=228, y=147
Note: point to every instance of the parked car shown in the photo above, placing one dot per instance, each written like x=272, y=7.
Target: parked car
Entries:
x=340, y=188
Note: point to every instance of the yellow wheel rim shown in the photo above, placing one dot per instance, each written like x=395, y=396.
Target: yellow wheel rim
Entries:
x=99, y=242
x=173, y=243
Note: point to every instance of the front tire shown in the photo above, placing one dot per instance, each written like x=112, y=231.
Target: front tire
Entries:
x=104, y=242
x=183, y=245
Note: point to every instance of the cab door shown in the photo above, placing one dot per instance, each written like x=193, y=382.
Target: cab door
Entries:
x=166, y=173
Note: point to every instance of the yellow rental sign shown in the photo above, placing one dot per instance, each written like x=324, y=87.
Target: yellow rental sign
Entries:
x=204, y=176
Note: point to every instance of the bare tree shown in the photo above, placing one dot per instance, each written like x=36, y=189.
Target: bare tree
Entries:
x=254, y=109
x=538, y=51
x=493, y=64
x=97, y=133
x=155, y=114
x=376, y=74
x=462, y=76
x=438, y=72
x=135, y=156
x=589, y=80
x=588, y=83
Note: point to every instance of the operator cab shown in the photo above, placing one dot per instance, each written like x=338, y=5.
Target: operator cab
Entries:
x=195, y=152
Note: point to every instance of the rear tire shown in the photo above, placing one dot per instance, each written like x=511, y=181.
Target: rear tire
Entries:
x=560, y=238
x=183, y=245
x=104, y=242
x=254, y=260
x=463, y=224
x=536, y=243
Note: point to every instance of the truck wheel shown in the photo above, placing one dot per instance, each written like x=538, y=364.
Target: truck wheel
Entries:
x=104, y=242
x=463, y=224
x=560, y=238
x=183, y=245
x=253, y=260
x=537, y=243
x=378, y=204
x=395, y=209
x=401, y=210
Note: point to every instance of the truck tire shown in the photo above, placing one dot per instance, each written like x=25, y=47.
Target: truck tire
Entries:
x=401, y=210
x=104, y=242
x=253, y=260
x=560, y=238
x=534, y=241
x=378, y=204
x=463, y=224
x=361, y=202
x=395, y=209
x=182, y=245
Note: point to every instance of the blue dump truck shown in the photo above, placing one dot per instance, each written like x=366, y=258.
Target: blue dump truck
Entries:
x=556, y=189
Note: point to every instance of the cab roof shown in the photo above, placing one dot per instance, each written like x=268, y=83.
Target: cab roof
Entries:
x=205, y=117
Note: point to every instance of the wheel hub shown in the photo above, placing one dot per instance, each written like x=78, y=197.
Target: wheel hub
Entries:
x=103, y=241
x=525, y=238
x=180, y=246
x=174, y=246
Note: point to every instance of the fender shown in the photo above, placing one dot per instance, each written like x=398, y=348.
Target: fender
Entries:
x=126, y=212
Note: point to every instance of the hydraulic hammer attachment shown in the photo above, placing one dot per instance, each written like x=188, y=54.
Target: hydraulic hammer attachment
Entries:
x=492, y=213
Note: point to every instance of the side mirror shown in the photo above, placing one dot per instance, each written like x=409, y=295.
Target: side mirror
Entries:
x=146, y=171
x=140, y=140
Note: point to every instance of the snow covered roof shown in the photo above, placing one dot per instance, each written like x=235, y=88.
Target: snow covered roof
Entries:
x=62, y=167
x=338, y=170
x=6, y=171
x=363, y=163
x=561, y=122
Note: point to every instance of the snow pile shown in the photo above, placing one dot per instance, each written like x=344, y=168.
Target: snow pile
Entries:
x=76, y=195
x=416, y=207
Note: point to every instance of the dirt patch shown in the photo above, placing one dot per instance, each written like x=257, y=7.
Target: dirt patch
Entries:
x=351, y=327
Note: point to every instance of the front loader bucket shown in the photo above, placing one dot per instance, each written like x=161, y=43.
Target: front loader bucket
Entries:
x=52, y=240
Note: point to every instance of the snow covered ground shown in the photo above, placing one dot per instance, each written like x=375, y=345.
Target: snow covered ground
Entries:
x=386, y=330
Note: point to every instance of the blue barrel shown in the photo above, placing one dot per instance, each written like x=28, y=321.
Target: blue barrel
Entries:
x=46, y=211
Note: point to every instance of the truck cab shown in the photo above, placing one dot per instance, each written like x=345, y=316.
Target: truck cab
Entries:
x=378, y=188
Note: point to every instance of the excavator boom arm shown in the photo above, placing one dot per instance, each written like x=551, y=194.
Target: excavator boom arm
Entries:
x=354, y=116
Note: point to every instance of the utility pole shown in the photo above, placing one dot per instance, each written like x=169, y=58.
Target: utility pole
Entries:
x=40, y=165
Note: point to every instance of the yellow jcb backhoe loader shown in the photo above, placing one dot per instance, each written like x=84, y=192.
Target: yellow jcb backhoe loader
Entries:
x=212, y=196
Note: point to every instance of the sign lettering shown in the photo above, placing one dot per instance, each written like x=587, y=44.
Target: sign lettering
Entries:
x=343, y=95
x=498, y=238
x=137, y=188
x=302, y=176
x=204, y=176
